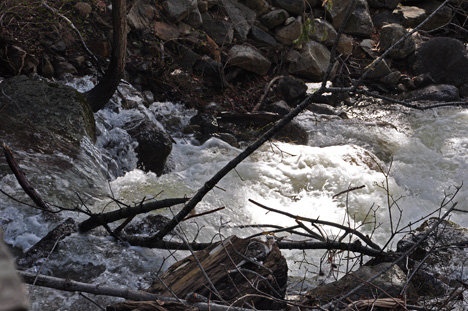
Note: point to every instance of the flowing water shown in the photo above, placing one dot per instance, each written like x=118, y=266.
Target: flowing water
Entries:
x=410, y=157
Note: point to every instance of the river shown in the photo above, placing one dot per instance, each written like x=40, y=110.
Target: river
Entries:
x=423, y=153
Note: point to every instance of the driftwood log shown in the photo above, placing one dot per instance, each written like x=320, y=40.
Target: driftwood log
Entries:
x=237, y=279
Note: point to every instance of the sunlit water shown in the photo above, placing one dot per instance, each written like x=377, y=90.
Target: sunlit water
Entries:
x=423, y=153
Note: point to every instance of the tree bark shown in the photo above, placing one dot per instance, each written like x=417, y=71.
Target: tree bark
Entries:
x=105, y=89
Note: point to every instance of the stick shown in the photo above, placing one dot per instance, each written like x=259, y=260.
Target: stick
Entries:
x=74, y=286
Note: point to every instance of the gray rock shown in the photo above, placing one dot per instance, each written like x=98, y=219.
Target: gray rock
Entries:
x=274, y=18
x=141, y=15
x=62, y=68
x=384, y=17
x=389, y=35
x=287, y=34
x=241, y=16
x=259, y=6
x=290, y=88
x=444, y=59
x=294, y=7
x=248, y=58
x=47, y=70
x=13, y=294
x=359, y=23
x=154, y=144
x=323, y=32
x=345, y=45
x=392, y=78
x=435, y=92
x=412, y=15
x=441, y=17
x=194, y=18
x=261, y=37
x=177, y=10
x=59, y=46
x=389, y=4
x=312, y=63
x=280, y=107
x=438, y=274
x=294, y=133
x=222, y=32
x=380, y=70
x=165, y=31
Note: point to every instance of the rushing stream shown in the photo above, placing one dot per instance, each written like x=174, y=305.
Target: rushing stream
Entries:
x=424, y=152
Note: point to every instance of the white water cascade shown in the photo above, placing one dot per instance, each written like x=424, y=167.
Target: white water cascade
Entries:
x=425, y=153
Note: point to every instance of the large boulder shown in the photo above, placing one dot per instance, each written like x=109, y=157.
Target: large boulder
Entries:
x=444, y=59
x=389, y=35
x=50, y=128
x=312, y=62
x=360, y=22
x=248, y=58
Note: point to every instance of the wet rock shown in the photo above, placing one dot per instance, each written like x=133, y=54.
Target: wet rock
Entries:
x=380, y=70
x=154, y=144
x=312, y=62
x=13, y=294
x=322, y=109
x=83, y=9
x=389, y=284
x=261, y=37
x=290, y=88
x=392, y=78
x=177, y=10
x=294, y=133
x=438, y=93
x=149, y=225
x=62, y=68
x=141, y=15
x=444, y=59
x=438, y=259
x=359, y=23
x=294, y=7
x=274, y=18
x=241, y=16
x=248, y=58
x=323, y=32
x=59, y=46
x=290, y=32
x=389, y=35
x=280, y=107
